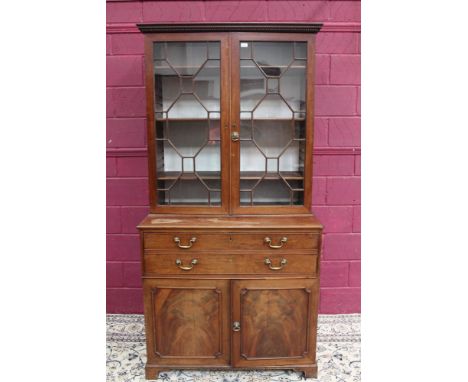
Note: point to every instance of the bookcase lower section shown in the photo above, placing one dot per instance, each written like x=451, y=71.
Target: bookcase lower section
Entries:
x=231, y=293
x=239, y=324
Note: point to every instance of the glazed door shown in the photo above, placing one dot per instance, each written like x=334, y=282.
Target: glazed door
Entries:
x=272, y=116
x=188, y=320
x=187, y=77
x=274, y=322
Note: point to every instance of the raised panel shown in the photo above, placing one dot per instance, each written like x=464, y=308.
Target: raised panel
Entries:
x=274, y=323
x=187, y=321
x=277, y=322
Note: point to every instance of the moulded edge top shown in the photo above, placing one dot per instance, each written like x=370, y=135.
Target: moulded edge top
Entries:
x=230, y=222
x=231, y=27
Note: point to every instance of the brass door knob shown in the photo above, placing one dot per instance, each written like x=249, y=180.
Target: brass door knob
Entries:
x=234, y=136
x=236, y=326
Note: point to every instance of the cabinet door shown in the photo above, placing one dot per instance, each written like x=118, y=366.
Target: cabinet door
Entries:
x=187, y=110
x=187, y=322
x=272, y=113
x=274, y=322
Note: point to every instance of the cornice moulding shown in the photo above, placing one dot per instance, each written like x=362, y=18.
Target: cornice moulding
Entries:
x=116, y=28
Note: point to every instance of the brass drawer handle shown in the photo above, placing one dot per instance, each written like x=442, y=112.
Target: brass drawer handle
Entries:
x=192, y=263
x=235, y=136
x=282, y=241
x=282, y=264
x=191, y=241
x=236, y=326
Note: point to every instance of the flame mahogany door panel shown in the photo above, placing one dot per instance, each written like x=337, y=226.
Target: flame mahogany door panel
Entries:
x=278, y=322
x=187, y=322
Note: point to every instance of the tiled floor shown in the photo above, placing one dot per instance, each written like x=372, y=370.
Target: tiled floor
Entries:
x=338, y=354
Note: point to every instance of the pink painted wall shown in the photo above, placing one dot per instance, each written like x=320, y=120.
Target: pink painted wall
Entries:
x=337, y=195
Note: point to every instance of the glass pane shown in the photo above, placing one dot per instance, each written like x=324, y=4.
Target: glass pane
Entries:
x=272, y=127
x=187, y=105
x=165, y=78
x=293, y=86
x=273, y=58
x=273, y=106
x=207, y=85
x=178, y=193
x=190, y=144
x=251, y=158
x=300, y=50
x=186, y=57
x=271, y=191
x=252, y=85
x=272, y=137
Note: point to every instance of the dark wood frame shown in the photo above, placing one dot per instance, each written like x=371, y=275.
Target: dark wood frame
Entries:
x=235, y=207
x=229, y=36
x=223, y=38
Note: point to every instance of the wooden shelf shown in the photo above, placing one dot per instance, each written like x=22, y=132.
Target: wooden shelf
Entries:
x=205, y=175
x=246, y=175
x=255, y=175
x=274, y=119
x=217, y=119
x=185, y=119
x=244, y=66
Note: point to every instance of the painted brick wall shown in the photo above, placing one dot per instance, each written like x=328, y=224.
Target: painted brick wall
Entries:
x=336, y=194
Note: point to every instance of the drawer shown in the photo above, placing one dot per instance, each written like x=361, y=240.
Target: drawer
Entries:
x=272, y=264
x=275, y=241
x=186, y=241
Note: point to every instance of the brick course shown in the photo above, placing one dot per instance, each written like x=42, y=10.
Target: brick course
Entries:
x=127, y=44
x=355, y=274
x=297, y=10
x=124, y=71
x=236, y=11
x=127, y=191
x=336, y=167
x=126, y=132
x=342, y=300
x=342, y=246
x=345, y=11
x=128, y=102
x=334, y=274
x=123, y=248
x=345, y=69
x=182, y=11
x=335, y=100
x=344, y=132
x=344, y=190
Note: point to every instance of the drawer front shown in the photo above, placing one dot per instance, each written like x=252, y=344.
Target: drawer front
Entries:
x=275, y=241
x=270, y=264
x=186, y=241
